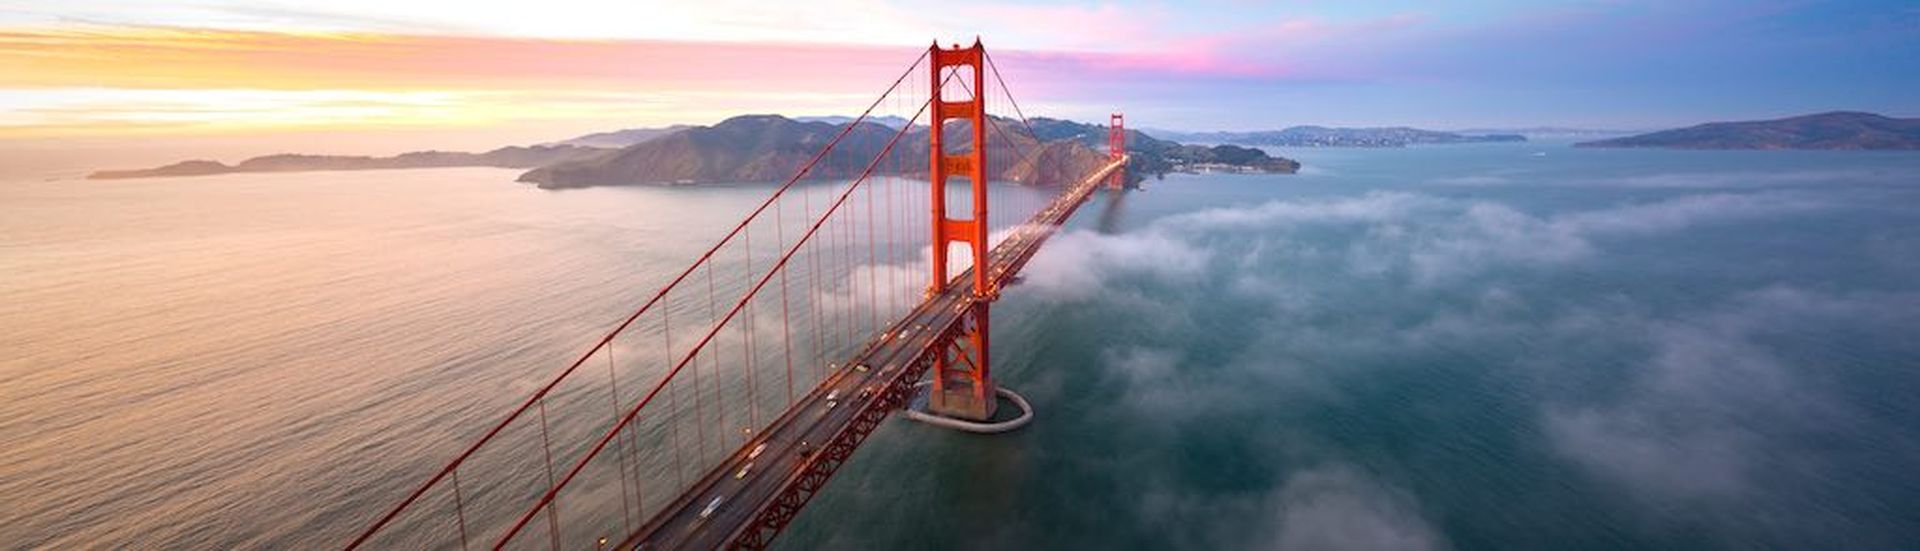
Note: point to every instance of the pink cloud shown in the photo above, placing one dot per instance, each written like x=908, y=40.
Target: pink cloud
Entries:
x=1289, y=49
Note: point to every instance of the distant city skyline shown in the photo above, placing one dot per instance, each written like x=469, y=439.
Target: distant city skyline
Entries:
x=523, y=72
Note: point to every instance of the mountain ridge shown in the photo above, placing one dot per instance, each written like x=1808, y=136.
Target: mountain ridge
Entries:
x=1327, y=136
x=615, y=139
x=1851, y=130
x=1040, y=151
x=505, y=157
x=751, y=148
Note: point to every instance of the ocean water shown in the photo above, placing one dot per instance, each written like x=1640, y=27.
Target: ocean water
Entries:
x=1481, y=346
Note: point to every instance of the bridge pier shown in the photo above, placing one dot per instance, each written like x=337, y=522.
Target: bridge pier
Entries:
x=979, y=427
x=962, y=386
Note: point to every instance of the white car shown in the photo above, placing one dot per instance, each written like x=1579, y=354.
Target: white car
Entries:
x=755, y=454
x=711, y=507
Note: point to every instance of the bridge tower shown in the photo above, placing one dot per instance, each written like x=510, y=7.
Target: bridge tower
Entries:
x=962, y=386
x=1117, y=146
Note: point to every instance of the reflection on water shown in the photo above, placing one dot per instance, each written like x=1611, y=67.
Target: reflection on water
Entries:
x=263, y=360
x=1432, y=347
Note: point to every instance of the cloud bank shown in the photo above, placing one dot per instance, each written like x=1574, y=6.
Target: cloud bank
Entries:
x=1291, y=322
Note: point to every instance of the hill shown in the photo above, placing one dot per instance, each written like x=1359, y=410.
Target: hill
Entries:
x=1835, y=130
x=759, y=148
x=505, y=157
x=889, y=121
x=770, y=147
x=1322, y=136
x=620, y=138
x=755, y=148
x=1150, y=154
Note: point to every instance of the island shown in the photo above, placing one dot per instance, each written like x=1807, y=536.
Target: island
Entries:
x=1834, y=130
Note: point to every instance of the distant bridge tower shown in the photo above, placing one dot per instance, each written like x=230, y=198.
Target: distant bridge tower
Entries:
x=962, y=386
x=1117, y=146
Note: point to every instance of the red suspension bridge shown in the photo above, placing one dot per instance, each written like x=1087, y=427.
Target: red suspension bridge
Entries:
x=723, y=404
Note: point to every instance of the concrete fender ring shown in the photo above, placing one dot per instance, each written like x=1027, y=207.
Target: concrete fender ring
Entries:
x=1026, y=416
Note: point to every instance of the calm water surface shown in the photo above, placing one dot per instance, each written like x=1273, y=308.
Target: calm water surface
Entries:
x=1499, y=346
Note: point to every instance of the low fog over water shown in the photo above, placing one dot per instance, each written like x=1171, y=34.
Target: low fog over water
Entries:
x=1442, y=347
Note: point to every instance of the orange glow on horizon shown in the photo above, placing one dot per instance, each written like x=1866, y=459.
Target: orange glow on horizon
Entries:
x=190, y=58
x=103, y=80
x=145, y=80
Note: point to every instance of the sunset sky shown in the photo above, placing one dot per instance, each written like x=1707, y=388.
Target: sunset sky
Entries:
x=472, y=74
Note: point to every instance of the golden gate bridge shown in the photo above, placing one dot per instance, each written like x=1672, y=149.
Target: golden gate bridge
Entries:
x=709, y=416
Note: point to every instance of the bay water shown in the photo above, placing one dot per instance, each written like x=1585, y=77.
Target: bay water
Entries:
x=1476, y=346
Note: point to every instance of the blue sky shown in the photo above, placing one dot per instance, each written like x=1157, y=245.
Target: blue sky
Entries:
x=1605, y=64
x=531, y=70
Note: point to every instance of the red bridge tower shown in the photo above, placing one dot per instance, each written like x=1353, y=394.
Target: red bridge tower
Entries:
x=1117, y=146
x=962, y=386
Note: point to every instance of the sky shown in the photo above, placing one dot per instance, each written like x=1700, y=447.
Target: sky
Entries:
x=376, y=76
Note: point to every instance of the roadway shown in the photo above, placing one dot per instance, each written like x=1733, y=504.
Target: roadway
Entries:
x=748, y=496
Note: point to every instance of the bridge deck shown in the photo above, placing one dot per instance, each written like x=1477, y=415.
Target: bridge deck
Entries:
x=817, y=434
